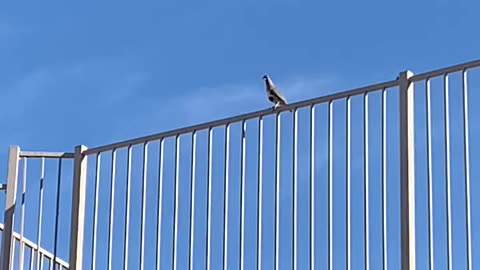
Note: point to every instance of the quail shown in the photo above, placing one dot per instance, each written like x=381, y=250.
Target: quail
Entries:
x=273, y=94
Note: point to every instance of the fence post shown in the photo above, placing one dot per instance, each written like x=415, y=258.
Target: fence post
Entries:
x=78, y=208
x=407, y=171
x=11, y=196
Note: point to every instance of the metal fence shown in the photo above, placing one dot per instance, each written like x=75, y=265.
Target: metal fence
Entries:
x=376, y=177
x=29, y=208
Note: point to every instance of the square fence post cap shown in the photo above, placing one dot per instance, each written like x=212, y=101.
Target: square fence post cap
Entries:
x=406, y=74
x=80, y=148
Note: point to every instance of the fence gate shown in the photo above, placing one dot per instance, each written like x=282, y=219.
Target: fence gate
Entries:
x=35, y=231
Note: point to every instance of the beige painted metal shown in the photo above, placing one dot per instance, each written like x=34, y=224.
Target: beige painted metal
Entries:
x=12, y=179
x=407, y=171
x=78, y=208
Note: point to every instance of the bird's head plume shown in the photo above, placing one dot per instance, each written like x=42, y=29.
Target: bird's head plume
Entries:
x=268, y=82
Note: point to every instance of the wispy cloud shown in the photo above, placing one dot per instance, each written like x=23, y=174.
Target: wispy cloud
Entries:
x=112, y=102
x=85, y=83
x=54, y=100
x=15, y=99
x=193, y=106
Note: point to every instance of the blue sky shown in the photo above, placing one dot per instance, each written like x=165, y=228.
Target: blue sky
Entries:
x=95, y=74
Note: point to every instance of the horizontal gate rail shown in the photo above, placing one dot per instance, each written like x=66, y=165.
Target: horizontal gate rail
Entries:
x=34, y=247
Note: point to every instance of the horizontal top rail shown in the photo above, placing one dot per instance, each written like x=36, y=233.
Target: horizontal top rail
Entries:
x=242, y=117
x=28, y=154
x=443, y=71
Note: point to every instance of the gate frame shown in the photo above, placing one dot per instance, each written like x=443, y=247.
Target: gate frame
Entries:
x=11, y=189
x=11, y=197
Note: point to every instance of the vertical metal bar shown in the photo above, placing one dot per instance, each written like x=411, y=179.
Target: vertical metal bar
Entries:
x=294, y=188
x=259, y=193
x=384, y=180
x=127, y=205
x=330, y=186
x=225, y=195
x=447, y=170
x=466, y=157
x=242, y=195
x=175, y=202
x=144, y=204
x=429, y=175
x=32, y=258
x=57, y=209
x=312, y=187
x=14, y=249
x=277, y=191
x=95, y=208
x=407, y=171
x=78, y=208
x=21, y=245
x=192, y=200
x=40, y=212
x=112, y=204
x=347, y=185
x=209, y=191
x=159, y=203
x=366, y=184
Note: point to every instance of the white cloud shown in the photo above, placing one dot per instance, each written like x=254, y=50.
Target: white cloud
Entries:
x=17, y=98
x=43, y=107
x=118, y=106
x=104, y=84
x=193, y=106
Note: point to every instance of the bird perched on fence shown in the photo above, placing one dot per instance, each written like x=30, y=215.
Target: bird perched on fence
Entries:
x=273, y=94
